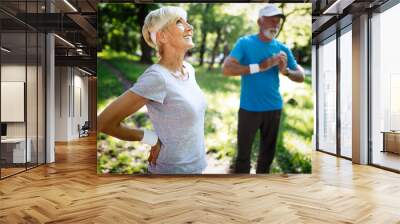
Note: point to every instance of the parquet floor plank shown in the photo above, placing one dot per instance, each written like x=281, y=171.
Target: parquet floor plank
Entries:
x=70, y=191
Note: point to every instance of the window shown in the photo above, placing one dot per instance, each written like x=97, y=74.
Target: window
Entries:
x=327, y=96
x=346, y=74
x=22, y=88
x=385, y=86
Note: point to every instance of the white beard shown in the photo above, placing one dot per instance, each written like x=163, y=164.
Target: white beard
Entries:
x=271, y=33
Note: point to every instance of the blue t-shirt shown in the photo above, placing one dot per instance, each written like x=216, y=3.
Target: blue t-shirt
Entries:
x=260, y=91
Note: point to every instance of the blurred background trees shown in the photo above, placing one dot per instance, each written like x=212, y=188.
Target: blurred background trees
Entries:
x=216, y=29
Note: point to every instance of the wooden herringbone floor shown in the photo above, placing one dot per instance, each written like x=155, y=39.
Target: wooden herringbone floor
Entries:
x=70, y=191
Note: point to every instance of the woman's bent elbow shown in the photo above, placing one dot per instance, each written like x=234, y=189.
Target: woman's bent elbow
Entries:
x=100, y=124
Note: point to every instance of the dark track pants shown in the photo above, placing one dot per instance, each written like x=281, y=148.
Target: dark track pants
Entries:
x=248, y=124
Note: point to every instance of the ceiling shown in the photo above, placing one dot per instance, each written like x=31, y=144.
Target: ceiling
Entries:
x=328, y=15
x=74, y=22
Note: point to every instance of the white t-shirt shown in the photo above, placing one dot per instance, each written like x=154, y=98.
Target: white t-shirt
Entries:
x=176, y=109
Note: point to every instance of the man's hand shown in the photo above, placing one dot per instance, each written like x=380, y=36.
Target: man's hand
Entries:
x=283, y=63
x=155, y=150
x=269, y=62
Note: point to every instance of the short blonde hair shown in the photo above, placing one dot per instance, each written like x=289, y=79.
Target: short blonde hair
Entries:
x=157, y=19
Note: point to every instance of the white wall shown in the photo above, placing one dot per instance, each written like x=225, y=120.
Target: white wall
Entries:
x=61, y=103
x=13, y=73
x=33, y=126
x=70, y=83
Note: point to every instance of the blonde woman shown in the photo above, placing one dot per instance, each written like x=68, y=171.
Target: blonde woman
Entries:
x=175, y=103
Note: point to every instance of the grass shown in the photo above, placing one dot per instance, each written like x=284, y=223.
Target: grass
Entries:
x=108, y=87
x=131, y=72
x=223, y=94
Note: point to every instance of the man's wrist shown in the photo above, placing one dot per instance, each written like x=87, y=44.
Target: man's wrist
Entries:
x=254, y=68
x=266, y=64
x=286, y=72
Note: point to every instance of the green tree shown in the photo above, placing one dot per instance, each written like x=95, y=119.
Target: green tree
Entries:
x=118, y=28
x=146, y=50
x=296, y=30
x=207, y=22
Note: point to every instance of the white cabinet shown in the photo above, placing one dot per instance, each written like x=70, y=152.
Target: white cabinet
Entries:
x=18, y=149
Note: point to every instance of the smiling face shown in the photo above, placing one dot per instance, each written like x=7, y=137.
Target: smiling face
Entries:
x=179, y=35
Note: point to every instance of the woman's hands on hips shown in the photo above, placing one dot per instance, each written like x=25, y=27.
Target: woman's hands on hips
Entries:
x=154, y=151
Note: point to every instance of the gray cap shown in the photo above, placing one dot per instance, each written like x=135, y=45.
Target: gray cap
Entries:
x=270, y=10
